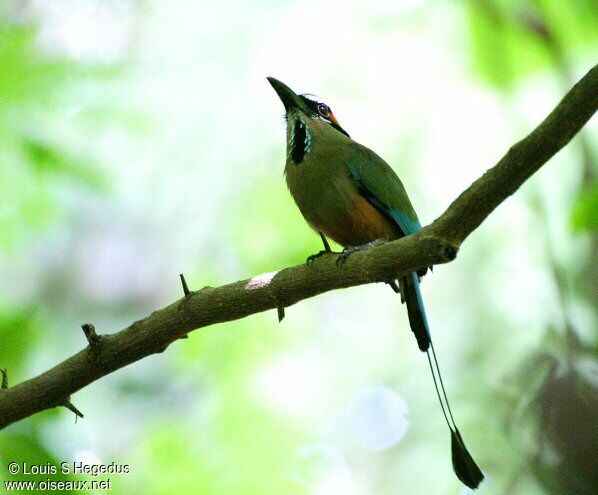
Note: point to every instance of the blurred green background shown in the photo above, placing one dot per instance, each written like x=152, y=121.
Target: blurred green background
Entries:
x=140, y=139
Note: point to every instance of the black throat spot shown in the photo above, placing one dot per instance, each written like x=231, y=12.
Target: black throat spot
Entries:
x=299, y=146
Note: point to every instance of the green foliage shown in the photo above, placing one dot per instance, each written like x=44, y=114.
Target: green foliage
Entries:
x=35, y=159
x=585, y=211
x=26, y=74
x=28, y=449
x=504, y=50
x=36, y=162
x=49, y=161
x=277, y=232
x=19, y=330
x=511, y=39
x=239, y=445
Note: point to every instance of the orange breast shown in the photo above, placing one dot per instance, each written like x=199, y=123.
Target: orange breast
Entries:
x=362, y=224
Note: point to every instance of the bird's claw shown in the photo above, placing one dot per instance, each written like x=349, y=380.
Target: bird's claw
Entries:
x=340, y=261
x=394, y=286
x=310, y=259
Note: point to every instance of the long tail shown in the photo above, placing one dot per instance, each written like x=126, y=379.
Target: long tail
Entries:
x=463, y=464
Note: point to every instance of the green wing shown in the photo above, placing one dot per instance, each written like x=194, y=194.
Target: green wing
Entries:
x=380, y=185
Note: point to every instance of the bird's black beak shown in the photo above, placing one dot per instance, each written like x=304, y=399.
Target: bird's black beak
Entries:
x=289, y=98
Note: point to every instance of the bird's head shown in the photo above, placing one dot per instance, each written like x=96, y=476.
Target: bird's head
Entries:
x=300, y=112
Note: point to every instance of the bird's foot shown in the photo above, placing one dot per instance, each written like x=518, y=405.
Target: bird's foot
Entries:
x=310, y=259
x=353, y=249
x=397, y=286
x=394, y=286
x=326, y=250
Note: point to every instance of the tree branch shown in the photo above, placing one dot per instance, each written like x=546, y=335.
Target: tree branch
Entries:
x=436, y=243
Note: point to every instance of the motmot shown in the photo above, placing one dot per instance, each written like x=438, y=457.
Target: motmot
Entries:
x=347, y=193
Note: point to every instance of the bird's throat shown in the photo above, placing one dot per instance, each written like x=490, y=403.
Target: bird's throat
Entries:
x=299, y=138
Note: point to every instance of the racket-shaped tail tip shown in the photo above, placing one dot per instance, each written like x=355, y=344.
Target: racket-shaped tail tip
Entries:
x=463, y=464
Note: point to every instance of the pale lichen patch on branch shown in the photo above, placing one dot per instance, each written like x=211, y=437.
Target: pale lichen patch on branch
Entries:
x=261, y=281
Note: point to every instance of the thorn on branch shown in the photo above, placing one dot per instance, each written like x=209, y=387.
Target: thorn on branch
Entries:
x=70, y=406
x=281, y=315
x=450, y=253
x=4, y=378
x=185, y=286
x=90, y=334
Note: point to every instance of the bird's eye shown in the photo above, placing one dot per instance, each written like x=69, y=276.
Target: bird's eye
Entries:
x=324, y=110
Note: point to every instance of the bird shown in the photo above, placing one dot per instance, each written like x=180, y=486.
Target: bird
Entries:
x=347, y=193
